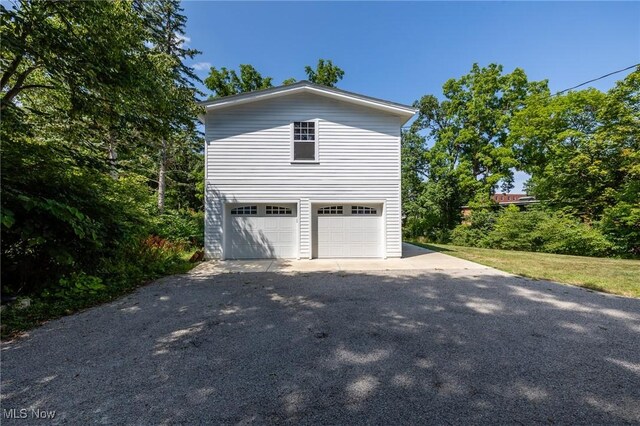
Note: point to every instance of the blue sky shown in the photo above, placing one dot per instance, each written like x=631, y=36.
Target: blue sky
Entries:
x=401, y=51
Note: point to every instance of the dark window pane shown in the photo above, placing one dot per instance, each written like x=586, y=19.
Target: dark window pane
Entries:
x=304, y=151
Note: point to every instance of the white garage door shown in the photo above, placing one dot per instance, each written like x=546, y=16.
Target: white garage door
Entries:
x=349, y=231
x=261, y=231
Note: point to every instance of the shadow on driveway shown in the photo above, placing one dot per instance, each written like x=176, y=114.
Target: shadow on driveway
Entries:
x=336, y=348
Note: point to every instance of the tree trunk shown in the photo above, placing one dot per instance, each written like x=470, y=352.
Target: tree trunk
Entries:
x=162, y=183
x=113, y=158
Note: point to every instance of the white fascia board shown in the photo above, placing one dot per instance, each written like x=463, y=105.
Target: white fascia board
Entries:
x=398, y=110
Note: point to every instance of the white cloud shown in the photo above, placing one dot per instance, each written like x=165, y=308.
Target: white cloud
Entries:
x=183, y=39
x=201, y=66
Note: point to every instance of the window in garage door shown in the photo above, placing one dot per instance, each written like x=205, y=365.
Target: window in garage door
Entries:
x=278, y=211
x=363, y=210
x=244, y=211
x=330, y=210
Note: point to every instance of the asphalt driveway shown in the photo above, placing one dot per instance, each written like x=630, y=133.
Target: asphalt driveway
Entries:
x=392, y=347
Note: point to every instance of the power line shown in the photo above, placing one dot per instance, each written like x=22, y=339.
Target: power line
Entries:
x=596, y=79
x=581, y=84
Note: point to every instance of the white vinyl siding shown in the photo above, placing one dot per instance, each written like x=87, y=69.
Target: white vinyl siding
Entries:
x=253, y=141
x=249, y=161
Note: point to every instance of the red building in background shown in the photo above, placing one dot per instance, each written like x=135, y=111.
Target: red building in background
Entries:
x=508, y=198
x=504, y=200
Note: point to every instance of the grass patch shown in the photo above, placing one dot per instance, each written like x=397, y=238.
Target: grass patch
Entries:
x=615, y=276
x=16, y=318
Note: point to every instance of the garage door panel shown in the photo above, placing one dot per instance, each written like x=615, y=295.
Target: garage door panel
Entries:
x=261, y=236
x=349, y=235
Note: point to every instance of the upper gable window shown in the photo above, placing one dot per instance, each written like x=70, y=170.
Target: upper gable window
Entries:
x=305, y=141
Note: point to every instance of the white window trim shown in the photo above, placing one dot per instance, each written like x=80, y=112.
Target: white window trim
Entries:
x=316, y=160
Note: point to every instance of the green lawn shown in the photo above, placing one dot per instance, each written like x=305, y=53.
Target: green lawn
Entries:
x=616, y=276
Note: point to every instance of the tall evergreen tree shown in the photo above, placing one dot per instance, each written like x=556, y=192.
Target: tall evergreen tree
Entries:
x=174, y=105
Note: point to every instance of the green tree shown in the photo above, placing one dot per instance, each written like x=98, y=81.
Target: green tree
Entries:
x=50, y=45
x=225, y=82
x=582, y=149
x=471, y=155
x=73, y=82
x=471, y=125
x=86, y=95
x=325, y=73
x=413, y=168
x=174, y=104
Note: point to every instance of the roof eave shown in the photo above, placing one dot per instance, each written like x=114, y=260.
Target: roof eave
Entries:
x=405, y=112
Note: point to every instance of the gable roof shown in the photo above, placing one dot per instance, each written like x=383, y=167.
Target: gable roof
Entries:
x=305, y=86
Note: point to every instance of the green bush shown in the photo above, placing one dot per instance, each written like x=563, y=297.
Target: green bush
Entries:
x=621, y=225
x=517, y=230
x=76, y=286
x=534, y=229
x=465, y=235
x=420, y=227
x=63, y=220
x=474, y=232
x=563, y=234
x=134, y=265
x=160, y=256
x=185, y=226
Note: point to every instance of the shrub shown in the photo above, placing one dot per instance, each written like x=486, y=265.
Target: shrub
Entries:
x=621, y=225
x=75, y=286
x=160, y=256
x=65, y=221
x=466, y=235
x=186, y=226
x=474, y=232
x=516, y=230
x=534, y=229
x=563, y=234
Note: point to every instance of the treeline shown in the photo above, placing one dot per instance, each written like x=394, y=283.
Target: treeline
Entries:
x=102, y=169
x=581, y=149
x=226, y=82
x=102, y=159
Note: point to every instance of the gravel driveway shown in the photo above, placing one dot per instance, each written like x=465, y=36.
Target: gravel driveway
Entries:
x=461, y=347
